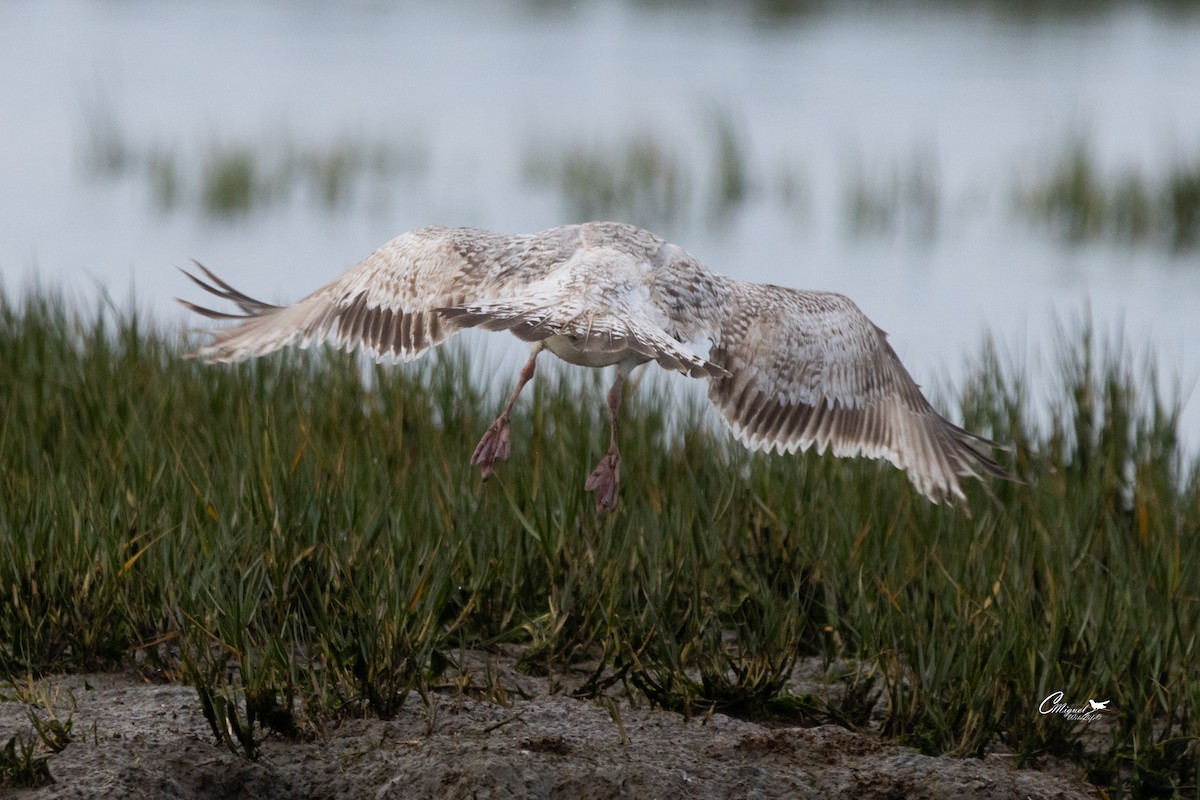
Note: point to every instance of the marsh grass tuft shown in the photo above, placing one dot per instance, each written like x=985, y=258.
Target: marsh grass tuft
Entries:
x=25, y=757
x=22, y=766
x=310, y=538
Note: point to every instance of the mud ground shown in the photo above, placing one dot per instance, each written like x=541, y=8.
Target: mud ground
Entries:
x=133, y=739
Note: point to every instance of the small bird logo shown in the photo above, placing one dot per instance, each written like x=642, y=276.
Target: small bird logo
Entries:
x=1099, y=706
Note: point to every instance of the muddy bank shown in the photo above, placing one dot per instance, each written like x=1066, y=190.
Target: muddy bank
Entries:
x=137, y=740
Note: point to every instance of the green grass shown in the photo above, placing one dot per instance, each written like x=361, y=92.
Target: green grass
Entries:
x=302, y=540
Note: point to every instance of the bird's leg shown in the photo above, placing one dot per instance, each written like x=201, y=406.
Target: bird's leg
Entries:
x=495, y=443
x=606, y=477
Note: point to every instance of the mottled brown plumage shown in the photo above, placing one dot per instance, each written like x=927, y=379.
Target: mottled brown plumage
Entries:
x=788, y=369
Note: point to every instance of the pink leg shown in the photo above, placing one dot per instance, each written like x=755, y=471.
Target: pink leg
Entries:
x=495, y=445
x=605, y=479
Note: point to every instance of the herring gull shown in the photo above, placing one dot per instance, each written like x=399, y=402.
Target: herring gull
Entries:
x=788, y=369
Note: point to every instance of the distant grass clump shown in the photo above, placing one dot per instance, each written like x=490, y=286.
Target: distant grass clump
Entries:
x=1077, y=197
x=647, y=178
x=302, y=540
x=639, y=180
x=904, y=198
x=231, y=178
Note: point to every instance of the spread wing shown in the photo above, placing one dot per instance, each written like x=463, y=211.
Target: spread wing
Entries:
x=583, y=282
x=389, y=304
x=809, y=369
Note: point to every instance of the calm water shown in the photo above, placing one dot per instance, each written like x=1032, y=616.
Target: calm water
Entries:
x=476, y=90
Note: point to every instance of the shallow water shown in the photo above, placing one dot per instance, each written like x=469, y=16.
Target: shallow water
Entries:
x=476, y=90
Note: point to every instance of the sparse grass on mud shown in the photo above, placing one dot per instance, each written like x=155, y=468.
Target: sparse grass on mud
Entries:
x=303, y=540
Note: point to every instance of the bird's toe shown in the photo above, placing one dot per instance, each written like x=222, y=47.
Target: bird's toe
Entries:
x=605, y=481
x=494, y=446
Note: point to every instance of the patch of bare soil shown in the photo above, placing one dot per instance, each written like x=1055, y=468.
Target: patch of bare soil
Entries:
x=135, y=740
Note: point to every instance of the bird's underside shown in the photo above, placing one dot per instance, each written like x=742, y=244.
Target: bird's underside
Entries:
x=789, y=370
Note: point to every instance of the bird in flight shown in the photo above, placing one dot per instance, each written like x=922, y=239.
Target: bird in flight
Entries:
x=789, y=370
